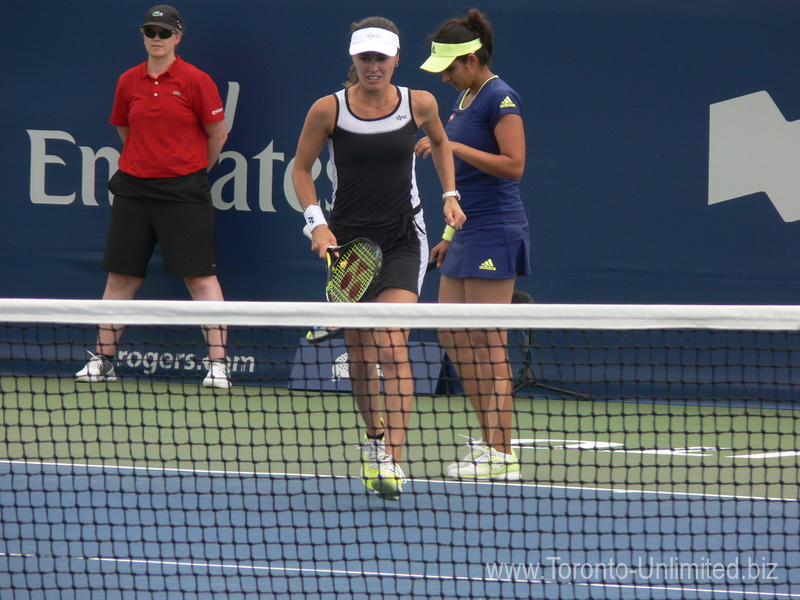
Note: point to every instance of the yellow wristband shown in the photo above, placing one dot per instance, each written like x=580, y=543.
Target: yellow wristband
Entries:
x=448, y=233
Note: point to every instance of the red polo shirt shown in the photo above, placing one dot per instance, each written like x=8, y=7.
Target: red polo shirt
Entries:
x=166, y=116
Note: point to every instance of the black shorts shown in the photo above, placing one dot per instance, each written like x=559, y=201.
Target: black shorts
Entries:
x=184, y=230
x=404, y=245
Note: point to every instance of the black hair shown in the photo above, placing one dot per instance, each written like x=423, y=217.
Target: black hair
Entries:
x=462, y=29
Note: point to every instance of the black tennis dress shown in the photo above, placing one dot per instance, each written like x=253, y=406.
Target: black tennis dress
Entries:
x=375, y=191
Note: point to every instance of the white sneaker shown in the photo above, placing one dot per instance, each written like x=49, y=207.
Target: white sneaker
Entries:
x=476, y=449
x=97, y=370
x=218, y=375
x=488, y=465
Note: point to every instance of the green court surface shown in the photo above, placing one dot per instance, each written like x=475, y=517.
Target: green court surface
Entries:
x=742, y=450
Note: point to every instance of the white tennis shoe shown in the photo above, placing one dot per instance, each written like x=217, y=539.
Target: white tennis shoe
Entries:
x=218, y=375
x=97, y=370
x=484, y=463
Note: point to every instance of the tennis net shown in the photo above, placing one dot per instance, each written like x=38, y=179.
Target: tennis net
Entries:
x=657, y=451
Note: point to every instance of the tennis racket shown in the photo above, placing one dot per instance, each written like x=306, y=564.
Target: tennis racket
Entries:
x=353, y=269
x=351, y=275
x=317, y=335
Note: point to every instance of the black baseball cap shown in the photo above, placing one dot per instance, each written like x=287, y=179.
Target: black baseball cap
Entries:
x=164, y=15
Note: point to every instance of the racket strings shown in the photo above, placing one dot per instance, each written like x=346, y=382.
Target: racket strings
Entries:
x=353, y=272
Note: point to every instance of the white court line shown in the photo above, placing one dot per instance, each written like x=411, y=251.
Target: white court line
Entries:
x=779, y=454
x=316, y=571
x=449, y=482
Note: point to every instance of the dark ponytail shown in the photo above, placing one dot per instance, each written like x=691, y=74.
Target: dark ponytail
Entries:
x=462, y=29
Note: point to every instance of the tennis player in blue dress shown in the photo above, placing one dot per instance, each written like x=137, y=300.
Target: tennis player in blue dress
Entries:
x=480, y=261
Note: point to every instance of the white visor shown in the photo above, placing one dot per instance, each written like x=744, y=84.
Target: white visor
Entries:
x=374, y=39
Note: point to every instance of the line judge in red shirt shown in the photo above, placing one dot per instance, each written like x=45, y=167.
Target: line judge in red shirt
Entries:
x=170, y=117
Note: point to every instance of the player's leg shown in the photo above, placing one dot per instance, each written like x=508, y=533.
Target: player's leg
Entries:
x=129, y=245
x=495, y=380
x=458, y=346
x=100, y=367
x=456, y=342
x=118, y=287
x=209, y=289
x=398, y=380
x=187, y=239
x=493, y=386
x=362, y=356
x=386, y=416
x=398, y=399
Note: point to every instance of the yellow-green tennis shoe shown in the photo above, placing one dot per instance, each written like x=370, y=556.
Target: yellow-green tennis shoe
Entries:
x=484, y=463
x=388, y=482
x=371, y=449
x=476, y=449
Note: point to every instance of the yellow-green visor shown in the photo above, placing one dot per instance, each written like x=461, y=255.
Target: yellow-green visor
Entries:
x=443, y=55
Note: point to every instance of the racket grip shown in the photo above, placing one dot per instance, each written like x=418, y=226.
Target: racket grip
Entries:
x=307, y=233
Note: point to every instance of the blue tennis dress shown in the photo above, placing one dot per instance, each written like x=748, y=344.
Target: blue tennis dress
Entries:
x=494, y=243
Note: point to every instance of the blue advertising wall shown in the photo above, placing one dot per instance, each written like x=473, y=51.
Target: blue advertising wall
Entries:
x=661, y=162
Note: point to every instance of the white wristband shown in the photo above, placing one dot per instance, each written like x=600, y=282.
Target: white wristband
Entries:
x=314, y=217
x=453, y=193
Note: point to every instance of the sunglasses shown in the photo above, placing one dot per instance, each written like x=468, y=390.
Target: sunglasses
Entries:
x=163, y=34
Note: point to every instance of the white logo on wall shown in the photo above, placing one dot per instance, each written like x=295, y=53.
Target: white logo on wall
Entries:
x=753, y=148
x=340, y=369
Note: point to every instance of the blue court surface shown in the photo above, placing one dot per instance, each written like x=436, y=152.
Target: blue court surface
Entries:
x=98, y=532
